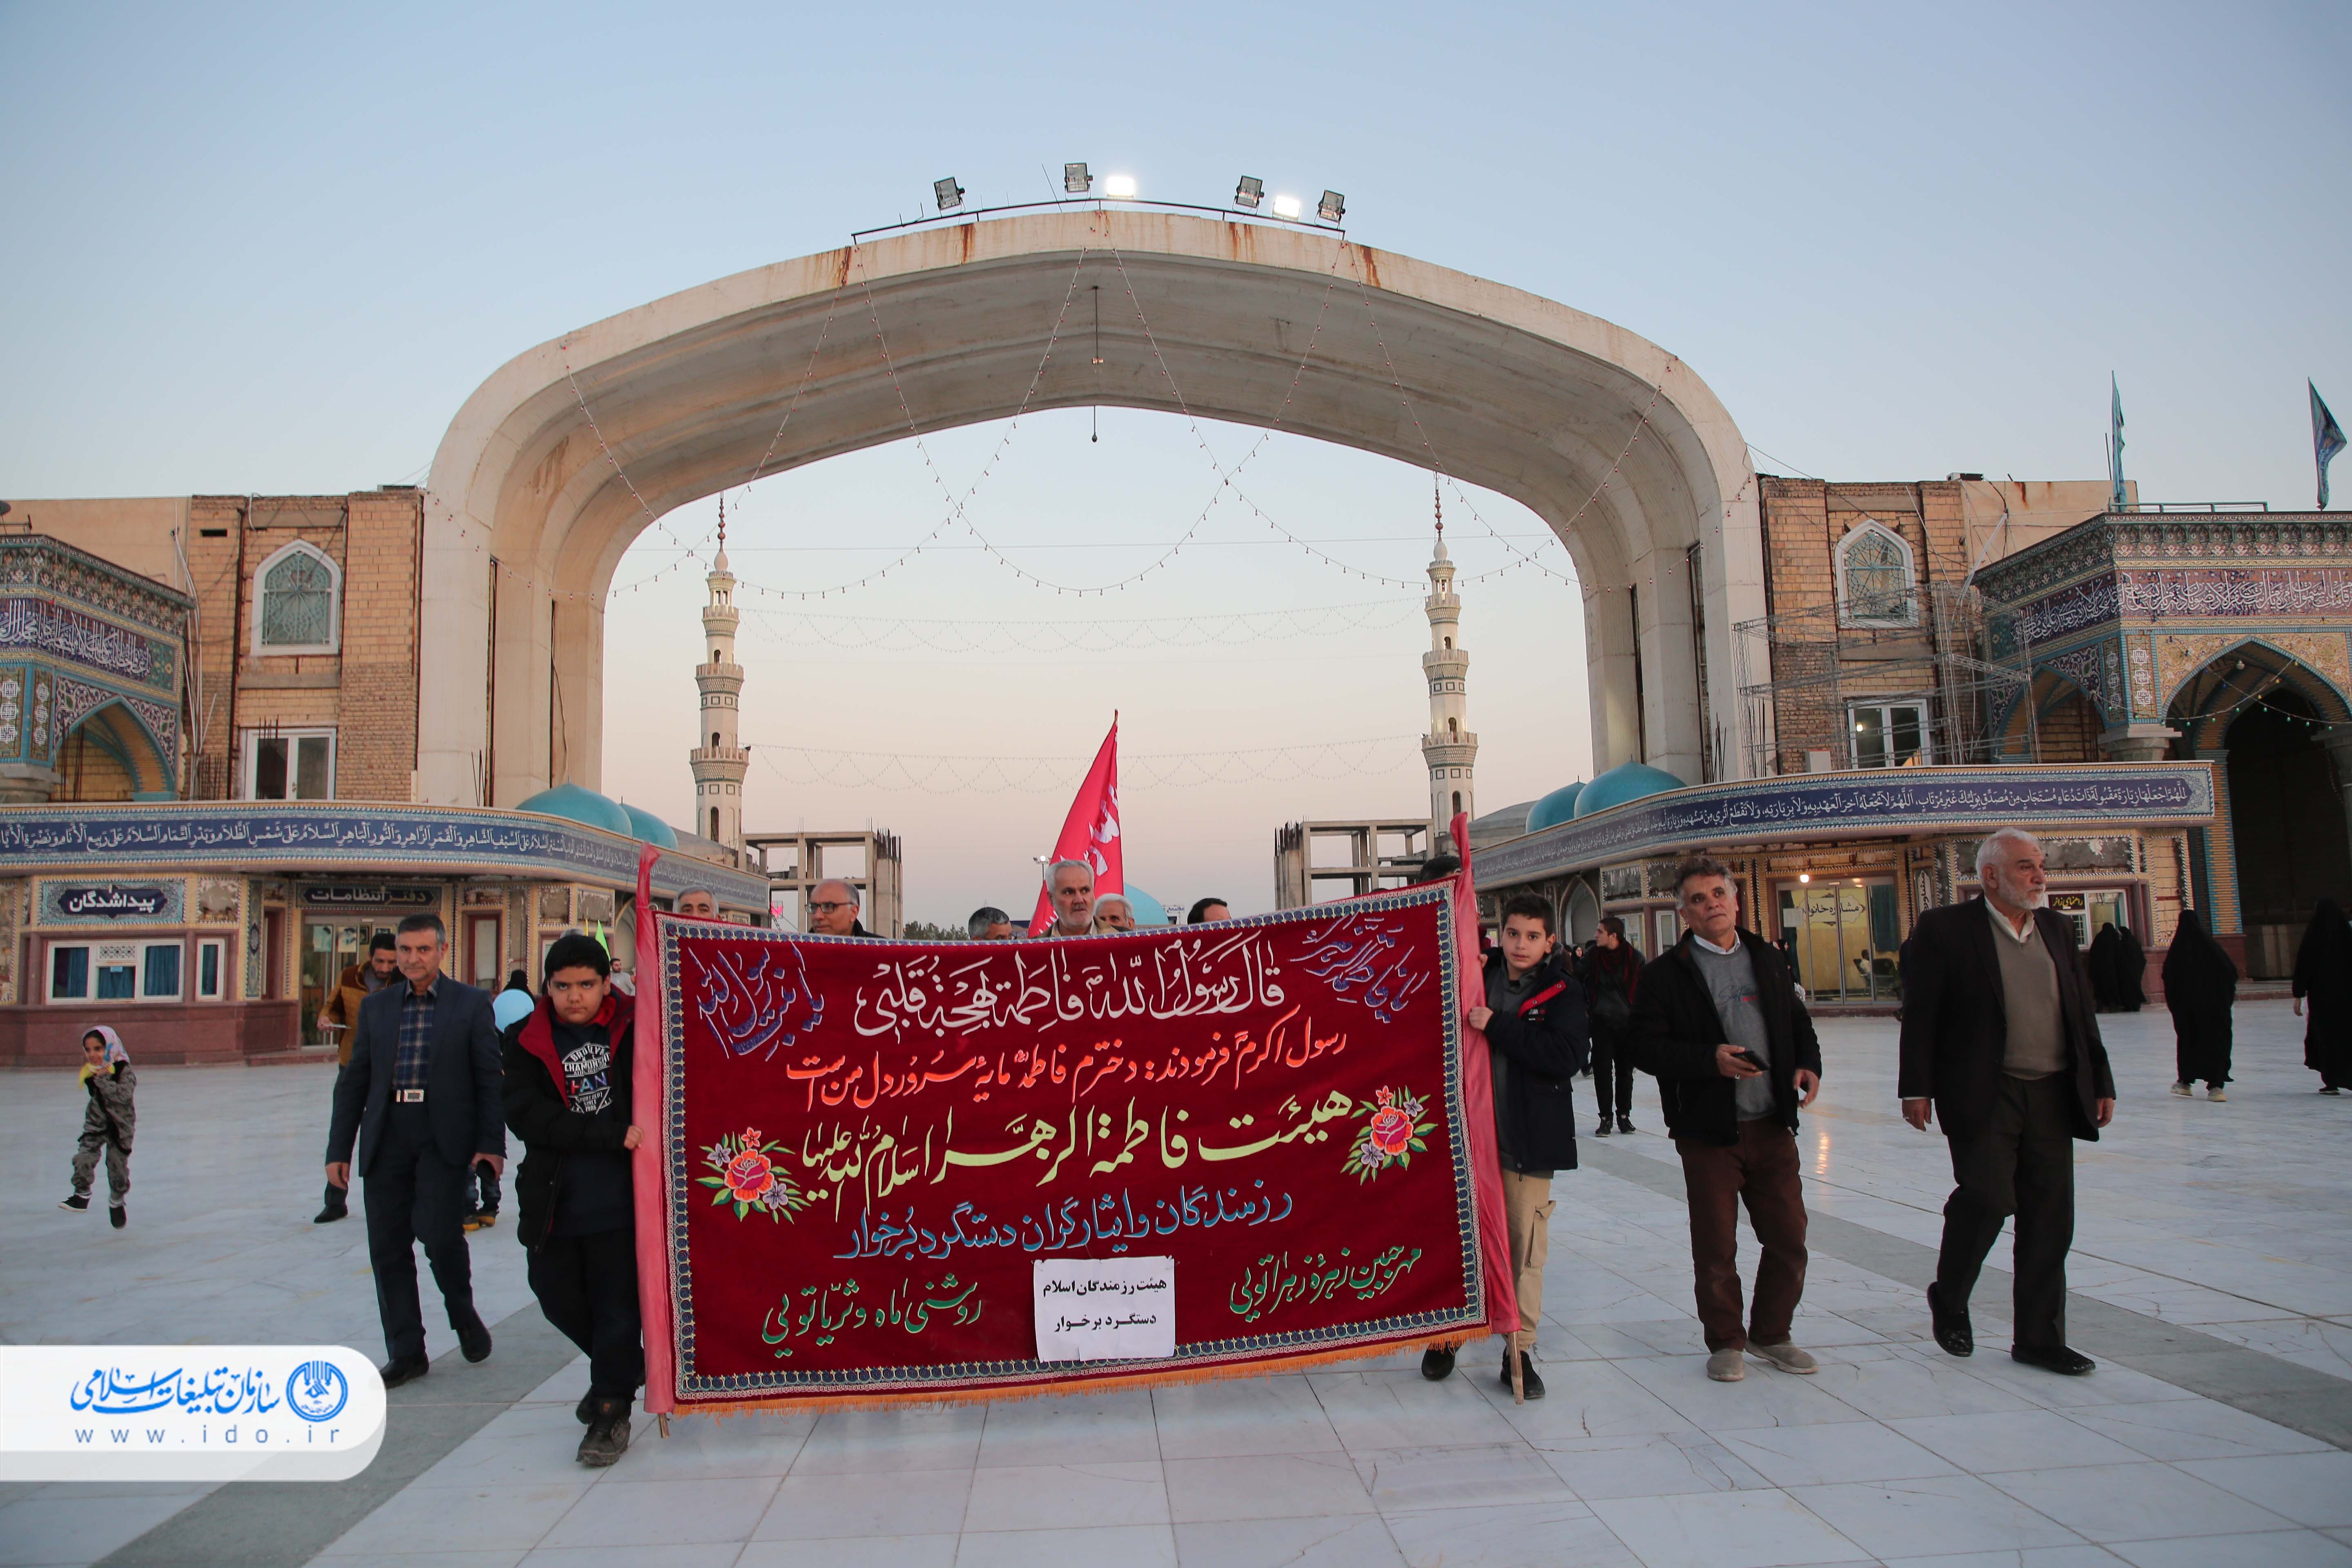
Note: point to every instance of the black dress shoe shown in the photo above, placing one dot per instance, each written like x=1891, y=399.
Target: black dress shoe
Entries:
x=403, y=1369
x=1527, y=1378
x=1603, y=1130
x=330, y=1214
x=1436, y=1364
x=2054, y=1358
x=1952, y=1329
x=1624, y=1124
x=474, y=1339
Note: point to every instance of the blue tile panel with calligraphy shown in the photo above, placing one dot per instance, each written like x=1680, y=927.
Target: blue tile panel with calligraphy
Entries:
x=287, y=837
x=1857, y=805
x=95, y=637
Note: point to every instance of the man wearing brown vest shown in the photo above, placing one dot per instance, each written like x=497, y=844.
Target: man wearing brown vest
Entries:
x=1999, y=1039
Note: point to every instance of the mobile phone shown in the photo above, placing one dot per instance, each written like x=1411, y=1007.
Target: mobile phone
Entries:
x=1751, y=1059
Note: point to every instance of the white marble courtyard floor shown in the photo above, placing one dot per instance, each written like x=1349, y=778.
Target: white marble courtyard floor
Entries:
x=2226, y=1222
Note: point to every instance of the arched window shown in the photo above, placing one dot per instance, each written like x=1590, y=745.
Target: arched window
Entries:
x=1457, y=802
x=1874, y=579
x=714, y=822
x=714, y=740
x=296, y=597
x=1453, y=729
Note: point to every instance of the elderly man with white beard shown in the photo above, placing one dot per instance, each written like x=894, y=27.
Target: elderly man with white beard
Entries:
x=1999, y=1039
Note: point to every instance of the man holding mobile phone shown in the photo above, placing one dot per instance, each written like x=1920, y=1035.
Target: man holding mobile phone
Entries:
x=1718, y=1021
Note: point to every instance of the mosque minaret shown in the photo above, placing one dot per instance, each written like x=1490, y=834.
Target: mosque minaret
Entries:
x=719, y=766
x=1449, y=748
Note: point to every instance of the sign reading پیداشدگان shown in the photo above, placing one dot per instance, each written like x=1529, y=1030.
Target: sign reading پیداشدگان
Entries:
x=1104, y=1308
x=868, y=1144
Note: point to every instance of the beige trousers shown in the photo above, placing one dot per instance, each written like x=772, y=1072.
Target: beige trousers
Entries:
x=1526, y=1209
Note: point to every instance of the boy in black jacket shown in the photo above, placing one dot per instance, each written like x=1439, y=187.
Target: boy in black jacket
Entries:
x=567, y=1098
x=1532, y=1011
x=1717, y=1020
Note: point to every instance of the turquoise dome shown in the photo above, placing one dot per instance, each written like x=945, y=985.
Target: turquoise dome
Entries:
x=1620, y=784
x=585, y=806
x=1148, y=910
x=1556, y=807
x=647, y=828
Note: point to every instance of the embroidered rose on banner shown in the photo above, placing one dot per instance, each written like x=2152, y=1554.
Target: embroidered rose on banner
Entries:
x=1392, y=1134
x=748, y=1178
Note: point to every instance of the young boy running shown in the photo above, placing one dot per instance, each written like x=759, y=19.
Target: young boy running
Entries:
x=567, y=1098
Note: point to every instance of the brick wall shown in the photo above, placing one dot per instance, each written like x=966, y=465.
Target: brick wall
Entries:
x=376, y=714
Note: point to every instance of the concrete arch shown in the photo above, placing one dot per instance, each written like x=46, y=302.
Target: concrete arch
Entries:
x=1512, y=392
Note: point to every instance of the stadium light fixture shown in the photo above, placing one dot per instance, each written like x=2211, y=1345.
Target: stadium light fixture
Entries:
x=1119, y=185
x=1332, y=208
x=947, y=193
x=1249, y=193
x=1075, y=179
x=1286, y=207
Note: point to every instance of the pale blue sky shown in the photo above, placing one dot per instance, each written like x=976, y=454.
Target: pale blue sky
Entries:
x=273, y=249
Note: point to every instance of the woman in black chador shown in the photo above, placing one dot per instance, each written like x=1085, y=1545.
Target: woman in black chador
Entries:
x=2323, y=990
x=2103, y=962
x=2131, y=971
x=2201, y=984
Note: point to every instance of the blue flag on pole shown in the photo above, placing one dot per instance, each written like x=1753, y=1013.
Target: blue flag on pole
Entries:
x=2116, y=445
x=2326, y=440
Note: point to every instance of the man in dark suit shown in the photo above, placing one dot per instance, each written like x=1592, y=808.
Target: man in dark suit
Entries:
x=1999, y=1039
x=422, y=1094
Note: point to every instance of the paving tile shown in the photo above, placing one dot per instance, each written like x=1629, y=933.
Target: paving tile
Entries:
x=901, y=1502
x=1955, y=1513
x=1050, y=1497
x=1526, y=1535
x=1763, y=1398
x=619, y=1512
x=847, y=1442
x=2273, y=1549
x=1346, y=1542
x=57, y=1527
x=2148, y=1501
x=461, y=1519
x=665, y=1554
x=1388, y=1409
x=1828, y=1452
x=2203, y=1429
x=1116, y=1427
x=1404, y=1479
x=1129, y=1546
x=857, y=1551
x=1242, y=1416
x=1655, y=1464
x=2309, y=1488
x=1725, y=1529
x=2023, y=1439
x=1265, y=1486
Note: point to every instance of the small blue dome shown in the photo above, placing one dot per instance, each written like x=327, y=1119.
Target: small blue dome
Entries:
x=1620, y=784
x=1556, y=807
x=585, y=806
x=647, y=828
x=1149, y=911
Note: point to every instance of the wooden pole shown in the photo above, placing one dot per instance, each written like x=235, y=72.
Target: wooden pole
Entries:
x=1519, y=1371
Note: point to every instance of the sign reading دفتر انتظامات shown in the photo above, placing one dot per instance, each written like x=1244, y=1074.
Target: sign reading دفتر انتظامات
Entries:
x=1104, y=1308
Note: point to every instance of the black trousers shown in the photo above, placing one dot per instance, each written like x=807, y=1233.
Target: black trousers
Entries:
x=2020, y=1162
x=481, y=1189
x=414, y=1195
x=1612, y=1066
x=587, y=1286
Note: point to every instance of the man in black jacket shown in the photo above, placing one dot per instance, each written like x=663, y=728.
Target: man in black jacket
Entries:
x=568, y=1098
x=1533, y=1018
x=1717, y=1020
x=421, y=1096
x=2000, y=1037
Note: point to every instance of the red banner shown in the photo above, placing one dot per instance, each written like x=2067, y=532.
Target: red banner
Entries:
x=878, y=1160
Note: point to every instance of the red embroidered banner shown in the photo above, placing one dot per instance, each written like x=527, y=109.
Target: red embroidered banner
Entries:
x=868, y=1148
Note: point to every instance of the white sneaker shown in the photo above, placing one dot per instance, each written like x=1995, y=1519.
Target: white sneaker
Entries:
x=2182, y=1089
x=1727, y=1366
x=2215, y=1094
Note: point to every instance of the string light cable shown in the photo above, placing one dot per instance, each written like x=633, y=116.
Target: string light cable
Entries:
x=935, y=773
x=904, y=634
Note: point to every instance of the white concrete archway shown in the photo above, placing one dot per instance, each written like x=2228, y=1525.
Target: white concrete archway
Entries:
x=1512, y=392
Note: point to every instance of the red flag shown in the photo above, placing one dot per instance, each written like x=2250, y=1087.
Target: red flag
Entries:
x=1090, y=833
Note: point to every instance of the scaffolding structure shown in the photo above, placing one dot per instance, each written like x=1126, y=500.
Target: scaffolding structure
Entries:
x=1801, y=674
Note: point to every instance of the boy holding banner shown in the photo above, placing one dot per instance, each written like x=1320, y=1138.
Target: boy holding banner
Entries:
x=1533, y=1018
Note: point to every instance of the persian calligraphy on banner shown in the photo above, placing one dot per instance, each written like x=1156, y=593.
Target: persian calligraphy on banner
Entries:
x=870, y=1144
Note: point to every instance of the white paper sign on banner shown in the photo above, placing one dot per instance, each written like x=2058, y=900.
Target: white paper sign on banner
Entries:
x=187, y=1413
x=1104, y=1308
